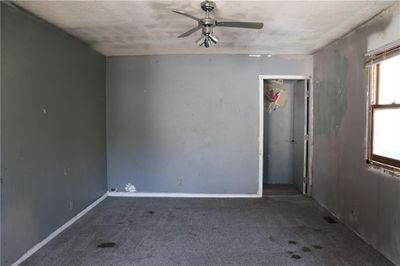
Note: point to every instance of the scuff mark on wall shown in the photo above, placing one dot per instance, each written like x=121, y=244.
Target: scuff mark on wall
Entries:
x=330, y=97
x=180, y=181
x=378, y=169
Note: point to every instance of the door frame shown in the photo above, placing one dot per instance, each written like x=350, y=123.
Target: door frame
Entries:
x=309, y=117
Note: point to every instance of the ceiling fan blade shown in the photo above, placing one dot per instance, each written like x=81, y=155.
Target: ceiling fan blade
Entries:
x=190, y=32
x=183, y=13
x=238, y=24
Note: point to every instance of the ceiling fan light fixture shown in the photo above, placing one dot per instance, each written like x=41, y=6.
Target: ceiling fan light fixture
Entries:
x=207, y=42
x=213, y=38
x=201, y=40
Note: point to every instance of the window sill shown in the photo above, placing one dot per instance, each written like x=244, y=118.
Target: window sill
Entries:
x=383, y=168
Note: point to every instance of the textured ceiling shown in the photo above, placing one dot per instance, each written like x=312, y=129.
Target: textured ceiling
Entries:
x=149, y=27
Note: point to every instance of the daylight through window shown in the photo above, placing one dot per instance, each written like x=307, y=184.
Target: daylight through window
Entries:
x=384, y=112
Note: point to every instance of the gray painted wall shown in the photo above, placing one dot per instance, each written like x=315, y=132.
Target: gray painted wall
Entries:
x=188, y=123
x=53, y=130
x=367, y=201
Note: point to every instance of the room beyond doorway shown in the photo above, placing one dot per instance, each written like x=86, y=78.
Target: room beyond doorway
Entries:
x=285, y=138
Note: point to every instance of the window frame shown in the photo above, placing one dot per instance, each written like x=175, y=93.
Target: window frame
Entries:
x=373, y=104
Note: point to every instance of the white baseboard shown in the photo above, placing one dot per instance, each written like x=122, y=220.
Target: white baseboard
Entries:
x=180, y=195
x=58, y=231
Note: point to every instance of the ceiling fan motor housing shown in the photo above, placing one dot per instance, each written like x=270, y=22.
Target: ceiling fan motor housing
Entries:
x=207, y=5
x=208, y=22
x=207, y=30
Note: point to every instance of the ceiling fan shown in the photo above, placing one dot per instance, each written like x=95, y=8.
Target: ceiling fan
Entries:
x=207, y=24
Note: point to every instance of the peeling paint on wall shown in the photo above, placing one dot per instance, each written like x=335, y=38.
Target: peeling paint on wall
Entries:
x=330, y=96
x=363, y=197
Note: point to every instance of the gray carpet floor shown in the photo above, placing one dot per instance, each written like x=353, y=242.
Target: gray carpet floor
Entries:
x=167, y=231
x=280, y=190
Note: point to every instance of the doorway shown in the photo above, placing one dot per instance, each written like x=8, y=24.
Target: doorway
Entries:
x=285, y=138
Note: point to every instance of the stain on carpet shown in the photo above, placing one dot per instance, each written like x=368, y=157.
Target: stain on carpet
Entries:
x=106, y=245
x=329, y=219
x=296, y=257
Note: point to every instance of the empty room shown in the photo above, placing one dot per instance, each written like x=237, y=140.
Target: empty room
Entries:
x=163, y=132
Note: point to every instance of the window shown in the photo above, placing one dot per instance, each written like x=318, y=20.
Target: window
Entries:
x=384, y=112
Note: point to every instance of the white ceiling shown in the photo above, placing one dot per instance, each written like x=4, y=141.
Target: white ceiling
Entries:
x=149, y=27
